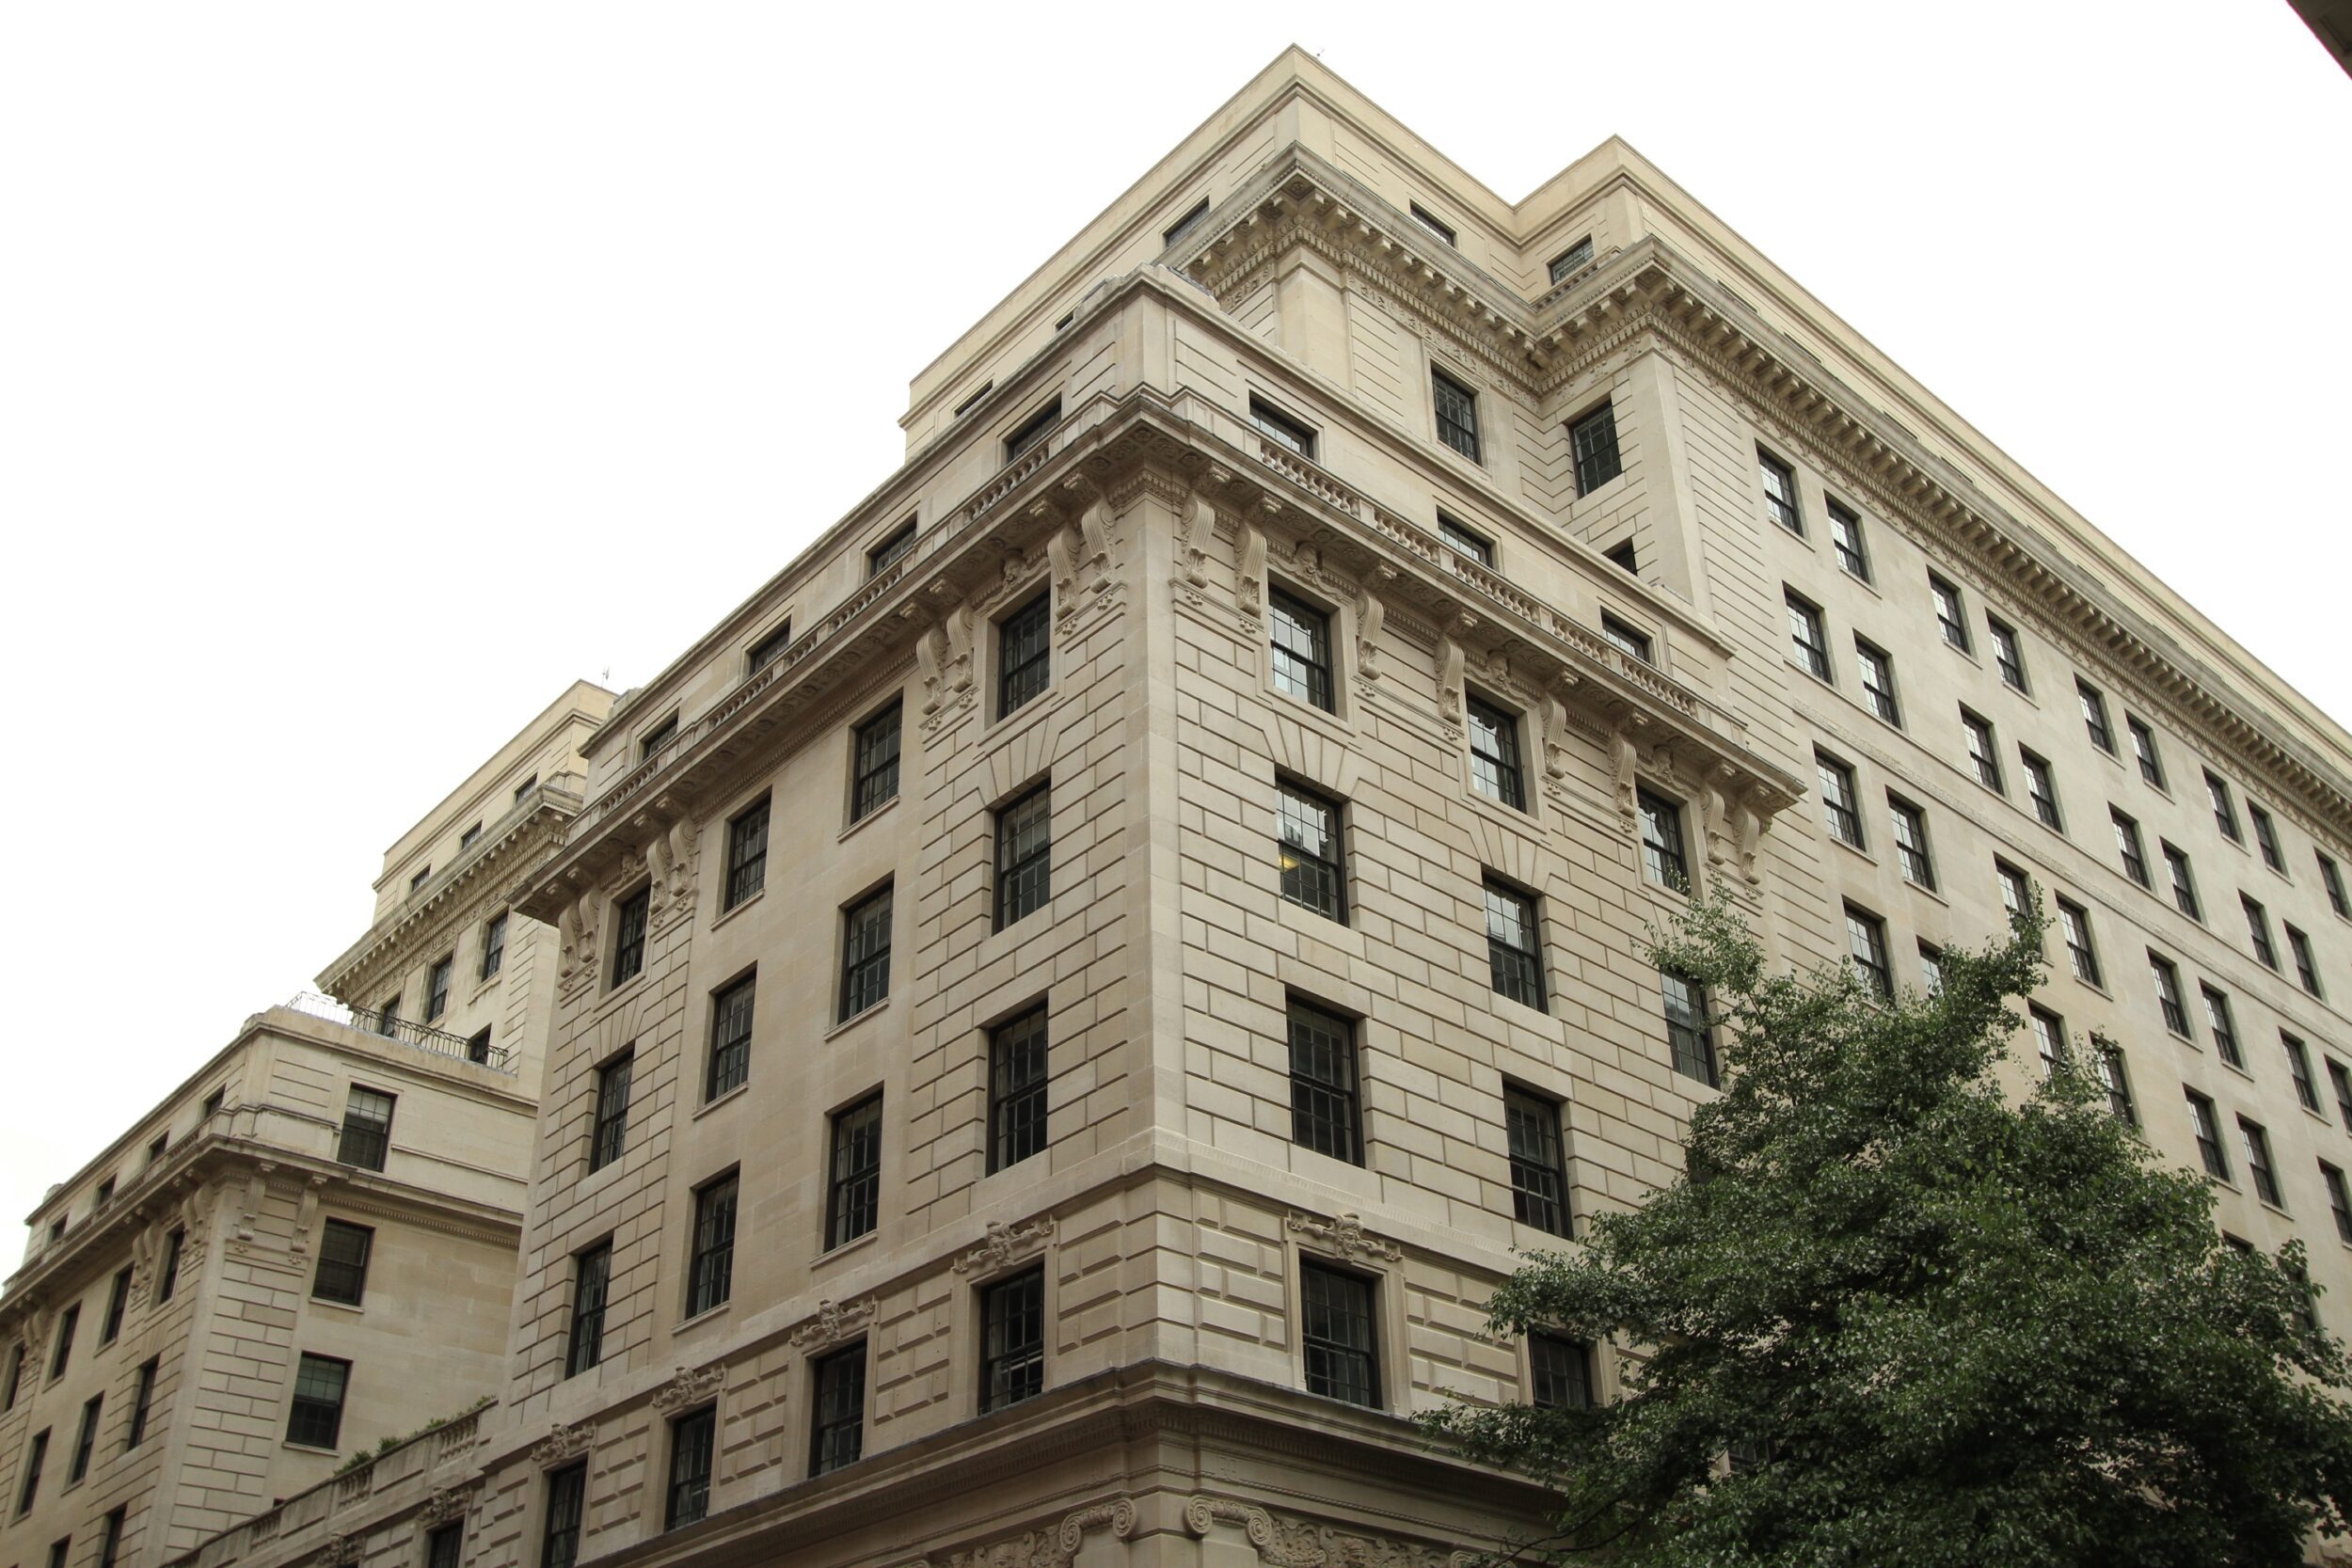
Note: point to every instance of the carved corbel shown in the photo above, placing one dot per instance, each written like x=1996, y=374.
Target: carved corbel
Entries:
x=1452, y=654
x=1371, y=612
x=930, y=658
x=584, y=911
x=658, y=857
x=1714, y=816
x=679, y=846
x=1750, y=826
x=1556, y=729
x=1622, y=757
x=1059, y=560
x=306, y=1213
x=958, y=624
x=256, y=1193
x=1194, y=527
x=1094, y=534
x=567, y=937
x=1250, y=576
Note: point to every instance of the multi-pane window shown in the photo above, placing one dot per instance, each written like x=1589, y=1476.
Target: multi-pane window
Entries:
x=1622, y=557
x=1950, y=618
x=1310, y=849
x=493, y=945
x=2041, y=789
x=2224, y=1025
x=768, y=649
x=316, y=1418
x=611, y=1135
x=2094, y=706
x=865, y=953
x=367, y=1132
x=1911, y=841
x=836, y=1426
x=1301, y=644
x=891, y=550
x=1025, y=653
x=691, y=1438
x=874, y=771
x=2339, y=1200
x=1840, y=806
x=1283, y=430
x=2016, y=891
x=1495, y=768
x=2266, y=837
x=1577, y=255
x=1878, y=681
x=142, y=1401
x=1562, y=1372
x=436, y=986
x=747, y=853
x=2340, y=1079
x=1025, y=855
x=445, y=1547
x=1322, y=1082
x=1339, y=1333
x=710, y=1269
x=1012, y=1340
x=2258, y=931
x=85, y=1439
x=2008, y=653
x=30, y=1487
x=2300, y=1069
x=1930, y=967
x=342, y=1271
x=2119, y=1087
x=656, y=738
x=2168, y=998
x=1663, y=860
x=2331, y=878
x=2128, y=848
x=387, y=1017
x=591, y=1280
x=1458, y=414
x=1464, y=542
x=1627, y=640
x=2082, y=956
x=1780, y=492
x=567, y=1499
x=2258, y=1164
x=1845, y=534
x=2208, y=1130
x=1866, y=942
x=731, y=1011
x=2184, y=885
x=2224, y=809
x=117, y=1298
x=1539, y=1177
x=1032, y=430
x=1515, y=955
x=1690, y=1038
x=2144, y=750
x=2306, y=967
x=629, y=934
x=1016, y=1088
x=1808, y=636
x=168, y=1276
x=1592, y=440
x=1430, y=221
x=1984, y=754
x=853, y=1190
x=2049, y=1038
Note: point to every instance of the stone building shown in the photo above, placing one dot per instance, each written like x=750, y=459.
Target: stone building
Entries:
x=1071, y=995
x=309, y=1248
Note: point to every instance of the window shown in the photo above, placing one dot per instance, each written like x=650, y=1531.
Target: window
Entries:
x=1878, y=681
x=2224, y=1026
x=691, y=1442
x=2169, y=999
x=866, y=954
x=2266, y=837
x=167, y=1277
x=110, y=1544
x=155, y=1148
x=465, y=840
x=142, y=1401
x=1845, y=534
x=1457, y=408
x=1025, y=857
x=891, y=550
x=1430, y=221
x=58, y=1550
x=1840, y=803
x=656, y=738
x=768, y=649
x=1301, y=650
x=1592, y=439
x=2258, y=931
x=1464, y=542
x=853, y=1192
x=2299, y=1070
x=836, y=1429
x=1577, y=255
x=446, y=1546
x=2183, y=885
x=591, y=1280
x=2224, y=813
x=610, y=1135
x=1539, y=1177
x=1322, y=1082
x=1622, y=557
x=1012, y=1340
x=1281, y=429
x=2128, y=848
x=437, y=986
x=1950, y=615
x=525, y=788
x=367, y=1136
x=1338, y=1330
x=1032, y=430
x=1182, y=227
x=2049, y=1039
x=315, y=1419
x=2016, y=891
x=1983, y=753
x=33, y=1461
x=874, y=773
x=2258, y=1164
x=1514, y=956
x=2081, y=955
x=1562, y=1372
x=731, y=1009
x=419, y=879
x=1024, y=655
x=567, y=1497
x=2144, y=751
x=2331, y=878
x=711, y=1277
x=85, y=1439
x=387, y=1017
x=1494, y=740
x=118, y=1297
x=1866, y=942
x=1807, y=635
x=1910, y=842
x=1689, y=1039
x=2306, y=968
x=2339, y=1200
x=628, y=935
x=2341, y=1081
x=2119, y=1087
x=2041, y=789
x=493, y=945
x=2008, y=651
x=1310, y=850
x=1780, y=493
x=2095, y=709
x=1663, y=860
x=1016, y=1089
x=1627, y=640
x=1930, y=967
x=747, y=853
x=342, y=1271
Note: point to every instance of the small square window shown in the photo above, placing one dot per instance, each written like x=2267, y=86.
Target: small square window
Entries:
x=1621, y=556
x=1464, y=542
x=1592, y=442
x=342, y=1268
x=656, y=738
x=466, y=839
x=1186, y=225
x=768, y=649
x=315, y=1417
x=1430, y=221
x=1627, y=640
x=896, y=547
x=1281, y=429
x=367, y=1130
x=526, y=787
x=1032, y=430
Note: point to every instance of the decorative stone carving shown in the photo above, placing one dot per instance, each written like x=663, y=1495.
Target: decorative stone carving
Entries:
x=1452, y=654
x=1284, y=1543
x=1045, y=1548
x=1250, y=576
x=1196, y=524
x=1622, y=757
x=1007, y=1244
x=445, y=1505
x=306, y=1213
x=833, y=1321
x=249, y=1207
x=340, y=1551
x=563, y=1443
x=578, y=923
x=690, y=1388
x=1370, y=614
x=1345, y=1236
x=674, y=854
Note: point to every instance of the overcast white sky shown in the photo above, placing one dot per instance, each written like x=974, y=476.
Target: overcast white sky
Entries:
x=369, y=372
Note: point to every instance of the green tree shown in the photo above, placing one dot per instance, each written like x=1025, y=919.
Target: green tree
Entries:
x=1939, y=1326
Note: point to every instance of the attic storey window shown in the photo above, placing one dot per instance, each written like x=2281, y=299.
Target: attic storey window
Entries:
x=1283, y=430
x=1430, y=221
x=1570, y=260
x=1458, y=414
x=1032, y=430
x=1186, y=225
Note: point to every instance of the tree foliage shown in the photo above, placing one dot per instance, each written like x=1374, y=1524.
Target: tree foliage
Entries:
x=1941, y=1327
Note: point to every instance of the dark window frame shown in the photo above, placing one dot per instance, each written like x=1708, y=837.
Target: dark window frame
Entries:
x=1536, y=1147
x=1032, y=430
x=1690, y=1032
x=1878, y=695
x=2131, y=850
x=892, y=549
x=632, y=915
x=1560, y=1372
x=1326, y=1080
x=1430, y=221
x=592, y=1287
x=1515, y=968
x=1453, y=413
x=1665, y=849
x=1841, y=800
x=2008, y=653
x=2184, y=880
x=1782, y=504
x=1808, y=633
x=1340, y=1332
x=747, y=853
x=142, y=1402
x=1013, y=1371
x=608, y=1134
x=867, y=939
x=1871, y=960
x=343, y=1278
x=2082, y=947
x=1020, y=1067
x=1024, y=653
x=1302, y=661
x=768, y=649
x=1313, y=879
x=2093, y=703
x=567, y=1512
x=1570, y=260
x=437, y=979
x=1503, y=762
x=1846, y=540
x=1186, y=225
x=1024, y=838
x=2145, y=751
x=2260, y=1165
x=875, y=750
x=2224, y=809
x=693, y=1452
x=854, y=1171
x=734, y=1015
x=1283, y=428
x=710, y=1255
x=1593, y=444
x=2266, y=835
x=2041, y=789
x=311, y=1420
x=2172, y=1000
x=836, y=1427
x=1913, y=857
x=1464, y=541
x=366, y=1142
x=1951, y=612
x=2222, y=1020
x=493, y=946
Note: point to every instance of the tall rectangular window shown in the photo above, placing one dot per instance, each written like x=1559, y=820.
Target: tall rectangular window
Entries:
x=68, y=1321
x=874, y=771
x=110, y=1543
x=1780, y=493
x=2118, y=1087
x=15, y=1380
x=2016, y=891
x=85, y=1439
x=2049, y=1038
x=1025, y=855
x=691, y=1437
x=854, y=1187
x=1592, y=440
x=1840, y=805
x=2144, y=750
x=710, y=1271
x=2306, y=966
x=893, y=549
x=446, y=1546
x=614, y=1079
x=2184, y=885
x=168, y=1276
x=117, y=1299
x=2082, y=954
x=1539, y=1176
x=2339, y=1200
x=142, y=1402
x=629, y=917
x=2340, y=1079
x=592, y=1281
x=2094, y=706
x=1494, y=740
x=1463, y=542
x=731, y=1010
x=1950, y=617
x=747, y=853
x=2224, y=1026
x=30, y=1486
x=1281, y=429
x=437, y=986
x=2224, y=810
x=1566, y=264
x=2128, y=848
x=1032, y=430
x=2331, y=878
x=2258, y=1164
x=2041, y=789
x=1012, y=1340
x=1025, y=653
x=1340, y=1332
x=1845, y=537
x=316, y=1418
x=367, y=1132
x=1515, y=951
x=1690, y=1037
x=2266, y=837
x=1865, y=942
x=493, y=945
x=1910, y=842
x=2008, y=653
x=1309, y=847
x=1458, y=414
x=1017, y=1073
x=1322, y=1082
x=865, y=953
x=2258, y=931
x=1663, y=860
x=1878, y=681
x=1562, y=1372
x=1301, y=644
x=2170, y=1001
x=342, y=1269
x=2299, y=1070
x=1984, y=754
x=567, y=1500
x=836, y=1429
